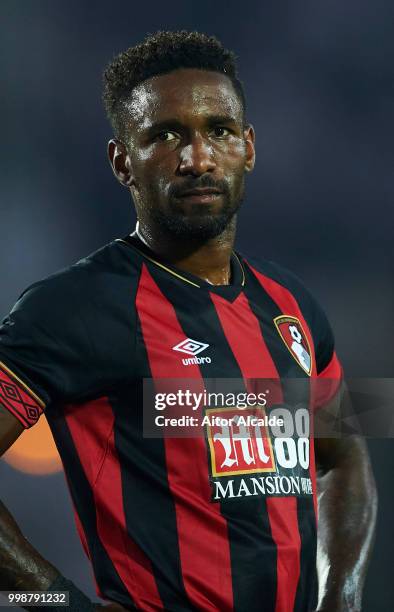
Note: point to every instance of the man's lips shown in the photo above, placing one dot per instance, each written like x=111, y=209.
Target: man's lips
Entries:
x=201, y=195
x=200, y=191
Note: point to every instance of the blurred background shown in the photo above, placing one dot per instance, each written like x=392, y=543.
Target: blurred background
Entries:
x=319, y=84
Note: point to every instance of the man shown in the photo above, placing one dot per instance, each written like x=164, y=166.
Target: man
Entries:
x=215, y=522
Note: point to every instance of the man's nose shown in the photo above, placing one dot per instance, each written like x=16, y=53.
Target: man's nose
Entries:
x=197, y=157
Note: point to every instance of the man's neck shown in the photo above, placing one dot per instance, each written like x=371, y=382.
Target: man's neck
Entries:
x=209, y=260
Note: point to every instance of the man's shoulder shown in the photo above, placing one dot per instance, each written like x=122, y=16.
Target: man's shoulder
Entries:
x=279, y=274
x=285, y=282
x=92, y=277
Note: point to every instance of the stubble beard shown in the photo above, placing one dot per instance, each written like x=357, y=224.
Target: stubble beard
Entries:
x=198, y=224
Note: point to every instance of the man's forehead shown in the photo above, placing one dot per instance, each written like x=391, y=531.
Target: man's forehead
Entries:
x=184, y=92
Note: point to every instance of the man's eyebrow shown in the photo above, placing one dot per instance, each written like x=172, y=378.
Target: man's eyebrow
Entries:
x=216, y=119
x=166, y=124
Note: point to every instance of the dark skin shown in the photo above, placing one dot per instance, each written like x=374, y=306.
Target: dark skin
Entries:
x=184, y=127
x=347, y=518
x=185, y=132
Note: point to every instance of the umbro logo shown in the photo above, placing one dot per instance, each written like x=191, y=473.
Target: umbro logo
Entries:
x=192, y=347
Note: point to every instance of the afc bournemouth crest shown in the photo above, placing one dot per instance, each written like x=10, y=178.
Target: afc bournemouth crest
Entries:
x=292, y=334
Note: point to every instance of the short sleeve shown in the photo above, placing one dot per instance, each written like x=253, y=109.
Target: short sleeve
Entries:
x=44, y=349
x=328, y=367
x=327, y=363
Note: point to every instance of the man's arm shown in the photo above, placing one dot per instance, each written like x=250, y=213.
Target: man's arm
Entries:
x=347, y=515
x=22, y=568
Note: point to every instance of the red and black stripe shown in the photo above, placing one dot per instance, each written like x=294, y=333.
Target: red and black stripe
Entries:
x=302, y=519
x=106, y=575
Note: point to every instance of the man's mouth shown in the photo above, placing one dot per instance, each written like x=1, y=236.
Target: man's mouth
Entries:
x=202, y=195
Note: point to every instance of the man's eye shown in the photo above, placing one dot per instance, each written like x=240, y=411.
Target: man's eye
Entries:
x=166, y=136
x=221, y=131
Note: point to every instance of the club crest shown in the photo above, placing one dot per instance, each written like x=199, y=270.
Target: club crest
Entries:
x=292, y=334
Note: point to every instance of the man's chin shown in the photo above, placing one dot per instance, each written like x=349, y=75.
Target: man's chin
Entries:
x=201, y=227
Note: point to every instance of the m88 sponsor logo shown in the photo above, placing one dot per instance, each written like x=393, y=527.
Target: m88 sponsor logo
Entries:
x=257, y=460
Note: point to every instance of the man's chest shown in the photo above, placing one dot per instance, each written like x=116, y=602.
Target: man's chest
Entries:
x=216, y=337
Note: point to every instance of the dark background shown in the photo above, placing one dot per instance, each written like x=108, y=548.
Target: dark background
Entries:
x=319, y=82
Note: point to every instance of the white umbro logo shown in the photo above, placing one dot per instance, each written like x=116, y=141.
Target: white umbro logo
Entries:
x=192, y=347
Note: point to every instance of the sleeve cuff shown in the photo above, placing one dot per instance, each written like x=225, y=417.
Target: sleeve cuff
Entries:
x=18, y=398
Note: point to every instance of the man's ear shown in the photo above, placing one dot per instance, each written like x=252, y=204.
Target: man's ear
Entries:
x=120, y=162
x=249, y=136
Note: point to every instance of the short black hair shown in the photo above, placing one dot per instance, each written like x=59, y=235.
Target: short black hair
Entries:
x=162, y=53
